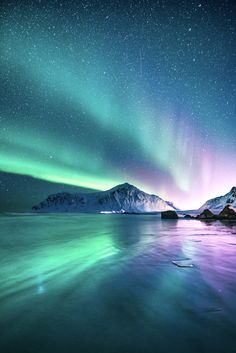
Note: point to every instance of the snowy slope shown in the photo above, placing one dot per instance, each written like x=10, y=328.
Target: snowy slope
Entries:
x=217, y=204
x=122, y=198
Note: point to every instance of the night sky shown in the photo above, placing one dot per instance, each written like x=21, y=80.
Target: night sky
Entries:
x=96, y=93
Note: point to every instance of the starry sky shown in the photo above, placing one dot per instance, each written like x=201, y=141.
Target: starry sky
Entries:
x=96, y=93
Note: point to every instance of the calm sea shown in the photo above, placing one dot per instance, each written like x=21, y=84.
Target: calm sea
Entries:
x=107, y=284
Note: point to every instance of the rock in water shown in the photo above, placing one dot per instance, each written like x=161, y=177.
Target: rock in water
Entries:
x=188, y=216
x=169, y=215
x=206, y=214
x=227, y=213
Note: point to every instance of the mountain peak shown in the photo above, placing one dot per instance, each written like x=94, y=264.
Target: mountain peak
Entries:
x=124, y=186
x=233, y=190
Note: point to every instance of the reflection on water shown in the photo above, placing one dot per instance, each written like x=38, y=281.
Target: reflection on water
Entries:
x=107, y=283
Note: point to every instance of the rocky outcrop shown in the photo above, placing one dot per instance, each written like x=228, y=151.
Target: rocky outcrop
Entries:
x=227, y=213
x=206, y=214
x=169, y=215
x=188, y=216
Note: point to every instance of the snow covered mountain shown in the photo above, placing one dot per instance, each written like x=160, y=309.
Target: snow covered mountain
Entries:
x=121, y=198
x=217, y=204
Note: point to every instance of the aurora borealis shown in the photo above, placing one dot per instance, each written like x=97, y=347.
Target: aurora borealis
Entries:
x=95, y=93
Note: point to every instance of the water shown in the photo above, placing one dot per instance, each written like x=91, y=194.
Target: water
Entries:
x=106, y=283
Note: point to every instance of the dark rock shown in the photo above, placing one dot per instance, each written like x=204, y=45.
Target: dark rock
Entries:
x=188, y=216
x=227, y=213
x=169, y=215
x=206, y=214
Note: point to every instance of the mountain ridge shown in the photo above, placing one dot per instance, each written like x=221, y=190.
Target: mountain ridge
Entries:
x=217, y=204
x=122, y=198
